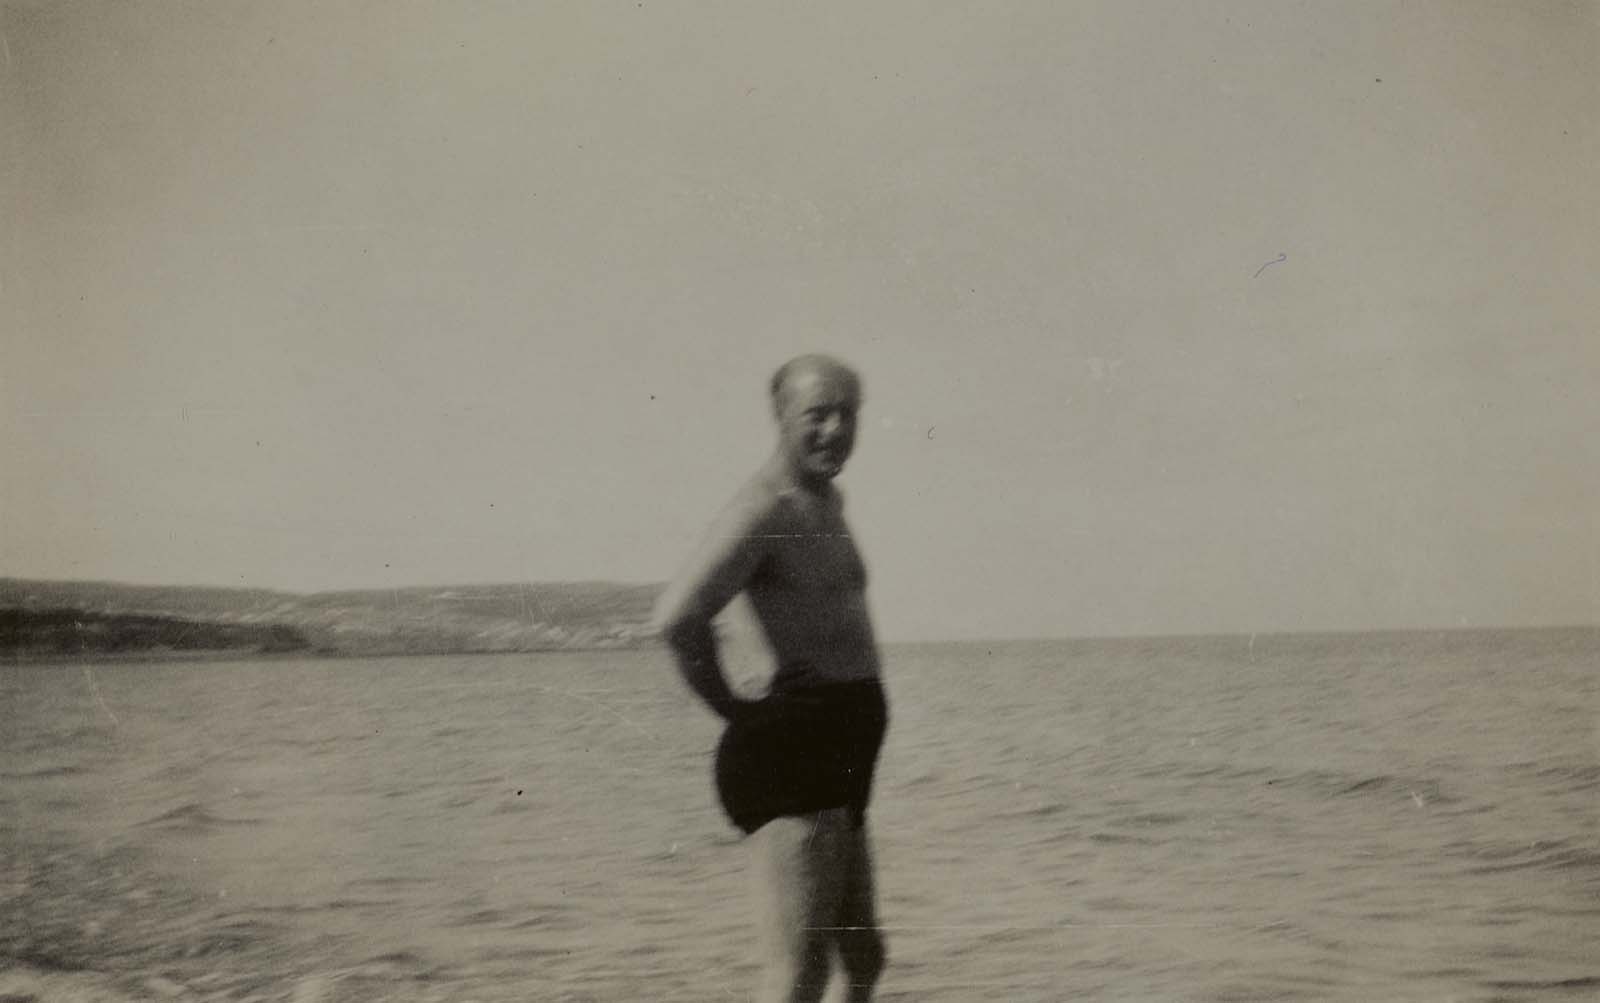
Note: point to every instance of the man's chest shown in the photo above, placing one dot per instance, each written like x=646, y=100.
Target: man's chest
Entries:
x=813, y=556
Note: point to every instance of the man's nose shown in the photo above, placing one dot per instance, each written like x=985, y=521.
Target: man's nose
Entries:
x=832, y=425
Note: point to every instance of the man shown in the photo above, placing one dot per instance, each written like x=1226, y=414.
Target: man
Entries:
x=794, y=769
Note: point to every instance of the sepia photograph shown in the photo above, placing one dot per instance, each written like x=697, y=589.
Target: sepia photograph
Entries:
x=593, y=501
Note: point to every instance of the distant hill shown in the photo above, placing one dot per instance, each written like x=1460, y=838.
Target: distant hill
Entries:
x=49, y=618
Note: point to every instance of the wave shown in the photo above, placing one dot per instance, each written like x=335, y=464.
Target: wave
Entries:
x=404, y=965
x=391, y=881
x=1199, y=771
x=1557, y=855
x=530, y=952
x=317, y=908
x=553, y=916
x=1335, y=784
x=230, y=938
x=481, y=917
x=1292, y=932
x=192, y=817
x=1537, y=985
x=1152, y=818
x=44, y=773
x=1575, y=778
x=1033, y=812
x=1117, y=838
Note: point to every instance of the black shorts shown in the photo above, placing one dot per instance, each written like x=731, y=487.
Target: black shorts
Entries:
x=802, y=751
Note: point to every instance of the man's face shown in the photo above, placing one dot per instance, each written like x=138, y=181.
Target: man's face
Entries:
x=817, y=421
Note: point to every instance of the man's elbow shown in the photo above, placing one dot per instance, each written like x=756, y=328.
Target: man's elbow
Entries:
x=679, y=629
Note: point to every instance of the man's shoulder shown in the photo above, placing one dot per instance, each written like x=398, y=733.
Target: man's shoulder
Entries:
x=756, y=508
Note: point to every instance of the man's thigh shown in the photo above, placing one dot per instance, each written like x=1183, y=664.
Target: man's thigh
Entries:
x=858, y=897
x=802, y=871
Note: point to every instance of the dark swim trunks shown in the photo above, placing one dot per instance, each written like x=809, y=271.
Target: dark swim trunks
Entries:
x=801, y=751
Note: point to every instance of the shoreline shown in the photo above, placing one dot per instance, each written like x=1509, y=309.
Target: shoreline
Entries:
x=239, y=655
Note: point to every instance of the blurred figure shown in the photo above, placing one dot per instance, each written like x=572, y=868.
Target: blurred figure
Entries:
x=794, y=769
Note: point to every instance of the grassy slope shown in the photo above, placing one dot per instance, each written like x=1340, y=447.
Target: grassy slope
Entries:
x=527, y=617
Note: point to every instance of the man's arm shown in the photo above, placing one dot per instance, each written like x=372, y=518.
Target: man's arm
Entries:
x=718, y=571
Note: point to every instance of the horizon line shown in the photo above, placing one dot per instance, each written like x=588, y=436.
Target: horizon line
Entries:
x=969, y=640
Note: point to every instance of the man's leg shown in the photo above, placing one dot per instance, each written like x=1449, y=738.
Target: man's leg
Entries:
x=799, y=878
x=861, y=948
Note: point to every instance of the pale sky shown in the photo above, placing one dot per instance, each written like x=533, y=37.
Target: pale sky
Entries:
x=1173, y=317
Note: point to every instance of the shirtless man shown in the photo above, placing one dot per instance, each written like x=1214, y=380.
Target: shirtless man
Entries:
x=794, y=769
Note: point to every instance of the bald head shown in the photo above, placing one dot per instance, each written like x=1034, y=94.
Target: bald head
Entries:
x=814, y=366
x=815, y=399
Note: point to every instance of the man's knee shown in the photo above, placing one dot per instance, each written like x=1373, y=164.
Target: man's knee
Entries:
x=797, y=978
x=864, y=954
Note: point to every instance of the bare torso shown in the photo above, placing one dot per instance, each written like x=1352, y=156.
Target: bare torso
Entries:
x=809, y=592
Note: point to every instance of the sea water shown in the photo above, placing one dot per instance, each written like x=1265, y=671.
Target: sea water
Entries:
x=1356, y=817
